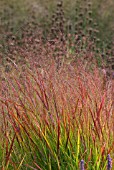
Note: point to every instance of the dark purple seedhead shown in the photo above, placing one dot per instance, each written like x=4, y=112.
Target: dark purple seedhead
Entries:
x=82, y=165
x=109, y=165
x=113, y=75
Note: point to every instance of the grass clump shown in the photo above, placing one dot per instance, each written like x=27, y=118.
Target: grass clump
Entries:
x=56, y=103
x=52, y=120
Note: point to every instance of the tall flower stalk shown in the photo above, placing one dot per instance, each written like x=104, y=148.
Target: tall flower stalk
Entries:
x=109, y=165
x=82, y=165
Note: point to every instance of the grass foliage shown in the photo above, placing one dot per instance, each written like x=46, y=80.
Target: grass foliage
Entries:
x=56, y=97
x=52, y=120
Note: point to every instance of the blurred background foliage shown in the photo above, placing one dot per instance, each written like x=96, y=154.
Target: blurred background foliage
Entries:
x=15, y=14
